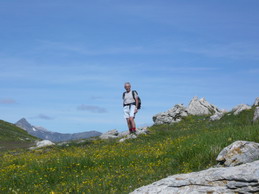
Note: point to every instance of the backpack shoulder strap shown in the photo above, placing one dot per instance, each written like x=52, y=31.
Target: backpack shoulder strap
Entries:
x=123, y=95
x=133, y=93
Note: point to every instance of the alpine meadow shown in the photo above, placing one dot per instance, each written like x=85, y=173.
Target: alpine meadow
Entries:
x=107, y=166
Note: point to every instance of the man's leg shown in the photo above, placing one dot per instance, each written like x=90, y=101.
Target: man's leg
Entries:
x=129, y=125
x=132, y=123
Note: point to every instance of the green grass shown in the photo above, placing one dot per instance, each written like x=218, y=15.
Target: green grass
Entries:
x=13, y=137
x=100, y=166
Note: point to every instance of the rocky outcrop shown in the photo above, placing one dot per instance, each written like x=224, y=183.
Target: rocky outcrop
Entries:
x=129, y=136
x=113, y=134
x=196, y=107
x=238, y=179
x=239, y=152
x=243, y=178
x=256, y=103
x=43, y=143
x=256, y=114
x=201, y=107
x=173, y=115
x=239, y=108
x=216, y=116
x=110, y=134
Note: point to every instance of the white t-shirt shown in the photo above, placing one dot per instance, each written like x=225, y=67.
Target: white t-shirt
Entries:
x=128, y=98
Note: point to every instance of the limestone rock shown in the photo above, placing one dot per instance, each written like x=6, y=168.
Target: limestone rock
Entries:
x=239, y=152
x=173, y=115
x=126, y=135
x=142, y=130
x=217, y=116
x=201, y=107
x=239, y=108
x=256, y=114
x=123, y=134
x=129, y=136
x=43, y=143
x=256, y=102
x=237, y=179
x=110, y=134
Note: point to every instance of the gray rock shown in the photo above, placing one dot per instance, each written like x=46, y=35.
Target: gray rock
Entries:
x=126, y=135
x=110, y=134
x=256, y=114
x=239, y=108
x=173, y=115
x=239, y=152
x=123, y=134
x=217, y=116
x=43, y=143
x=237, y=179
x=129, y=136
x=256, y=102
x=201, y=107
x=142, y=130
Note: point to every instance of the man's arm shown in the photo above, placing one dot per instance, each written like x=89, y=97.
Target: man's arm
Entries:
x=136, y=109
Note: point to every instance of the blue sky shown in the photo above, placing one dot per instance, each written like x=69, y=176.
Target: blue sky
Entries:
x=63, y=64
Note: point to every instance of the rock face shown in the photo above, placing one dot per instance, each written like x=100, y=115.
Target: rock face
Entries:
x=201, y=107
x=256, y=114
x=196, y=107
x=239, y=152
x=239, y=108
x=238, y=179
x=256, y=102
x=173, y=115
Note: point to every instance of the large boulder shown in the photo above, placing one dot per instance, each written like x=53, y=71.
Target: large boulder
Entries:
x=239, y=152
x=256, y=114
x=237, y=179
x=173, y=115
x=110, y=134
x=239, y=108
x=256, y=102
x=43, y=143
x=201, y=107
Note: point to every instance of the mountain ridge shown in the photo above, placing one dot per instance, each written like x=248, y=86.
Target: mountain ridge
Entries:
x=43, y=133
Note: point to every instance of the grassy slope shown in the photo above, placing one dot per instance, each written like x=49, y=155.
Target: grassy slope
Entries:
x=111, y=167
x=12, y=137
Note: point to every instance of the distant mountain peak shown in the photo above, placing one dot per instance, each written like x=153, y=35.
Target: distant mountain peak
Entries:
x=43, y=133
x=24, y=124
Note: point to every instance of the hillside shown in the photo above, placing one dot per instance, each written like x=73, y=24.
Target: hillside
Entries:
x=12, y=137
x=111, y=167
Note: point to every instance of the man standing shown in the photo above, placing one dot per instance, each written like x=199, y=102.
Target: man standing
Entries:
x=130, y=104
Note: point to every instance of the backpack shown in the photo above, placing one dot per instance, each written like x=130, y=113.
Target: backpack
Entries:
x=133, y=94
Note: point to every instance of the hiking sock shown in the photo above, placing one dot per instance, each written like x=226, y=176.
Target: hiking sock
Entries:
x=134, y=129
